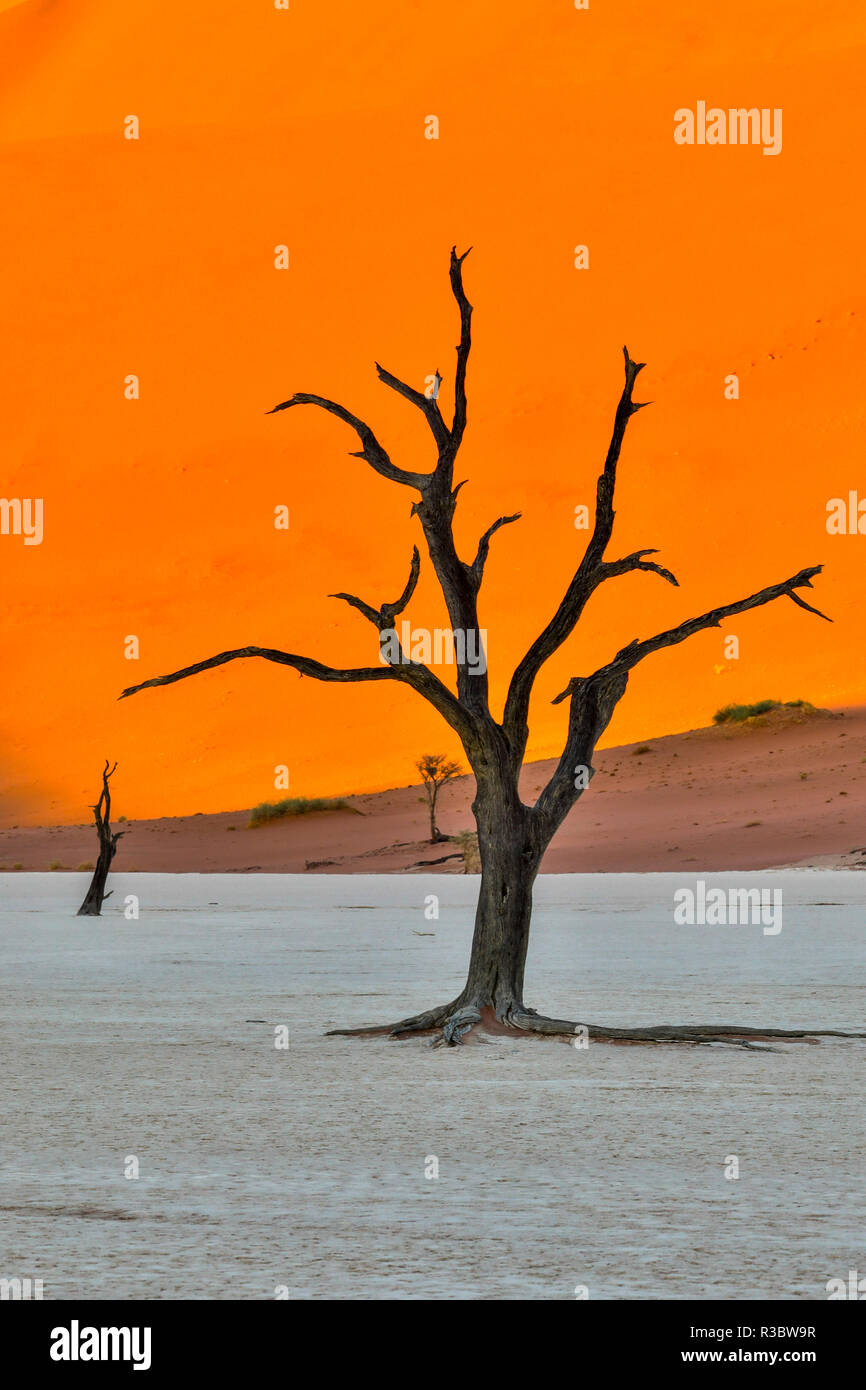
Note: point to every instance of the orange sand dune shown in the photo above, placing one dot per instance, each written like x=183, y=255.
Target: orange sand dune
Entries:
x=788, y=792
x=155, y=257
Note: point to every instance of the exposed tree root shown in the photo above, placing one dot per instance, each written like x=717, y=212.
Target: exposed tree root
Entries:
x=453, y=1022
x=418, y=1023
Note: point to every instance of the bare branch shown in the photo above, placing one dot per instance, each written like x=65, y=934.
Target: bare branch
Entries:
x=306, y=665
x=477, y=566
x=801, y=603
x=372, y=452
x=370, y=613
x=426, y=404
x=383, y=617
x=435, y=510
x=626, y=659
x=587, y=577
x=410, y=673
x=594, y=698
x=604, y=493
x=105, y=794
x=392, y=609
x=635, y=561
x=456, y=273
x=592, y=705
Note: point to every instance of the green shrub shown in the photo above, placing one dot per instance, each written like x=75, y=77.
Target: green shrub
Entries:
x=296, y=806
x=736, y=714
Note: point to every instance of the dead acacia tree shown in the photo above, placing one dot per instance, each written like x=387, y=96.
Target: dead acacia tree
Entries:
x=96, y=894
x=436, y=772
x=512, y=836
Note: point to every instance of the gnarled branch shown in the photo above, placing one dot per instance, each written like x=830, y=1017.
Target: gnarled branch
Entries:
x=459, y=423
x=476, y=569
x=587, y=577
x=372, y=451
x=626, y=659
x=383, y=617
x=426, y=404
x=435, y=511
x=412, y=673
x=305, y=664
x=635, y=561
x=592, y=705
x=594, y=698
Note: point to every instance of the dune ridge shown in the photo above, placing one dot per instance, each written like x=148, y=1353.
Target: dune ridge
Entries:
x=788, y=788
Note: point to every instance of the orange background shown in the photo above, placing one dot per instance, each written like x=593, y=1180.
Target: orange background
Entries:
x=155, y=257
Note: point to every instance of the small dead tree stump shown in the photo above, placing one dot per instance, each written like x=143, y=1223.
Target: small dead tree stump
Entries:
x=96, y=894
x=468, y=842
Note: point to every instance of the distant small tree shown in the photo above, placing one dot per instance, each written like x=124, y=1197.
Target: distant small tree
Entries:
x=435, y=771
x=96, y=894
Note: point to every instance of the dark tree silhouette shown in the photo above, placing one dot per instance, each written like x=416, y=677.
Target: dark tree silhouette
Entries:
x=512, y=836
x=436, y=771
x=96, y=894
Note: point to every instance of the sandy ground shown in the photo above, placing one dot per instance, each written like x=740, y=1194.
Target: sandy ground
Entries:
x=306, y=1167
x=786, y=792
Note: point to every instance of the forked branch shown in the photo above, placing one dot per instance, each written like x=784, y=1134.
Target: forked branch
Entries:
x=428, y=405
x=611, y=568
x=383, y=617
x=589, y=574
x=595, y=697
x=435, y=510
x=626, y=659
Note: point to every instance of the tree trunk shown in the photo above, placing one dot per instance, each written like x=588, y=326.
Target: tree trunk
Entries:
x=512, y=842
x=96, y=894
x=510, y=859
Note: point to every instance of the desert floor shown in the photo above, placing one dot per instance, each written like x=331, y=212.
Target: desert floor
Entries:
x=305, y=1167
